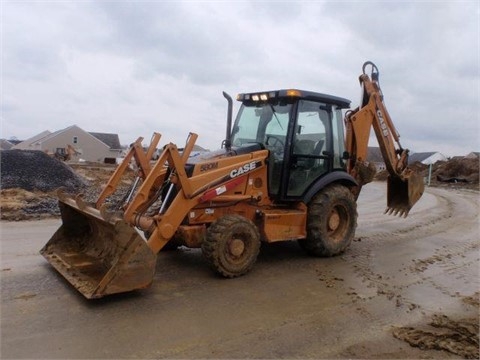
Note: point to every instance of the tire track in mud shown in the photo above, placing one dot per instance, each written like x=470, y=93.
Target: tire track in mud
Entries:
x=432, y=221
x=429, y=225
x=445, y=235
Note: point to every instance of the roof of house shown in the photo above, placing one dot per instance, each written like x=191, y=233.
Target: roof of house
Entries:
x=420, y=156
x=44, y=136
x=30, y=141
x=5, y=144
x=14, y=141
x=111, y=140
x=473, y=154
x=375, y=155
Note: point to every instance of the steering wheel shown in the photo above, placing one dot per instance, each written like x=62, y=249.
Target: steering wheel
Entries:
x=277, y=146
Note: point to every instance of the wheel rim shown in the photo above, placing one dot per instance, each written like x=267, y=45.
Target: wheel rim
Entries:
x=337, y=223
x=236, y=247
x=333, y=220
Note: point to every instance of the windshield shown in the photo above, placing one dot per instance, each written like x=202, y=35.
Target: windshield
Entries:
x=260, y=123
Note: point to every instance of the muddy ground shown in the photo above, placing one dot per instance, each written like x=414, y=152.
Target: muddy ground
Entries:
x=406, y=288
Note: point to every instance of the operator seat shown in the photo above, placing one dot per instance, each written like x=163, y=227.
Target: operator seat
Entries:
x=304, y=147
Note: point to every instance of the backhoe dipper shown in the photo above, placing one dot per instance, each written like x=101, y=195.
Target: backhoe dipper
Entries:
x=285, y=172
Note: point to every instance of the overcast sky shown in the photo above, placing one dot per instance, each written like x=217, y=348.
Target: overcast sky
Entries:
x=133, y=68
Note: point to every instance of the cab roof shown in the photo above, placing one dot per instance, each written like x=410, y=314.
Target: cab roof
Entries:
x=264, y=96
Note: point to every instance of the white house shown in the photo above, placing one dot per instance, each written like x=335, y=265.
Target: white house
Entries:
x=426, y=158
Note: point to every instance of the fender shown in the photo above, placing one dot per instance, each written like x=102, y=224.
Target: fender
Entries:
x=338, y=176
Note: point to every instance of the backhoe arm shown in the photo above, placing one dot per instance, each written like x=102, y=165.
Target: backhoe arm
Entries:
x=405, y=187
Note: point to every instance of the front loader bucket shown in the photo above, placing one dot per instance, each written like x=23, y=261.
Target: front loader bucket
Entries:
x=98, y=257
x=402, y=194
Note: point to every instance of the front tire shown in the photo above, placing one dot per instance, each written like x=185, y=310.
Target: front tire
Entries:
x=331, y=221
x=231, y=245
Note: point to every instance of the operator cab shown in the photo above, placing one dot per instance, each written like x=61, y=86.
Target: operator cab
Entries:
x=303, y=131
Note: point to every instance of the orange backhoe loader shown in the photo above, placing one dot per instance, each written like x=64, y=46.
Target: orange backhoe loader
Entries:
x=285, y=172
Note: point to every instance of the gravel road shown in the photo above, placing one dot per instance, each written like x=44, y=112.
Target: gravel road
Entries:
x=406, y=288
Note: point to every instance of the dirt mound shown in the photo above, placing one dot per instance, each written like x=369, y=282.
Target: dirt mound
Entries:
x=457, y=170
x=34, y=170
x=19, y=204
x=454, y=171
x=457, y=337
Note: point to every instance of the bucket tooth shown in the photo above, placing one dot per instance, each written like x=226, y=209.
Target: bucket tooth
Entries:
x=403, y=193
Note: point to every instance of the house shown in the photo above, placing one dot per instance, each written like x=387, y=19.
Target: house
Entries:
x=374, y=156
x=5, y=144
x=426, y=158
x=473, y=155
x=26, y=144
x=94, y=146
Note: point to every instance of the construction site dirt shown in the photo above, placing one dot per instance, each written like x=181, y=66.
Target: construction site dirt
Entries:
x=406, y=288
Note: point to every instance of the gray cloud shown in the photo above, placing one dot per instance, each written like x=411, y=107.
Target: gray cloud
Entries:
x=139, y=67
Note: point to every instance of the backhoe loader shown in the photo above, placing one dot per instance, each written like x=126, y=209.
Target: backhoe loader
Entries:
x=291, y=167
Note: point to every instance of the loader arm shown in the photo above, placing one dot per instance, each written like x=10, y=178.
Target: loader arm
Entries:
x=405, y=187
x=142, y=161
x=188, y=191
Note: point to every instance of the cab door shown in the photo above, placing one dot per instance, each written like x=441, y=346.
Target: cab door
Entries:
x=311, y=144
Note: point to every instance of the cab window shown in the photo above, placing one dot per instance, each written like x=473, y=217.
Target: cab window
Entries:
x=309, y=142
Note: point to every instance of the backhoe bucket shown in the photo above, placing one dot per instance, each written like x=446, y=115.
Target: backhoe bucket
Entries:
x=98, y=257
x=402, y=194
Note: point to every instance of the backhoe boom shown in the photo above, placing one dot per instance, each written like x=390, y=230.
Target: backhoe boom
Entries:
x=405, y=187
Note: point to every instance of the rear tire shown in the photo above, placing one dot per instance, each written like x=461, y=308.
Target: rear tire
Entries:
x=331, y=221
x=231, y=245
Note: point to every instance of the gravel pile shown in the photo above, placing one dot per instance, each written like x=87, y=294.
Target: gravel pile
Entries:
x=34, y=170
x=29, y=180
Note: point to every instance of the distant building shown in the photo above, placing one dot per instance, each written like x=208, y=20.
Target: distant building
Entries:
x=426, y=158
x=375, y=156
x=473, y=155
x=88, y=146
x=5, y=144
